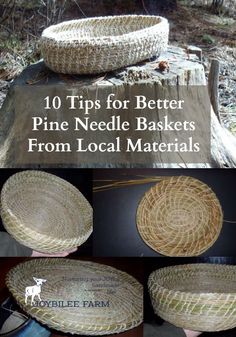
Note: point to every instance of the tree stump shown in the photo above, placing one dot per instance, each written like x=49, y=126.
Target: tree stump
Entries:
x=185, y=70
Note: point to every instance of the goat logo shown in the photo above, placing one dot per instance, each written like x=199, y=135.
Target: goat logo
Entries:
x=34, y=290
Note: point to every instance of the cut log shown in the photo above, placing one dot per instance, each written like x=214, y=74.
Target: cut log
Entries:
x=196, y=51
x=184, y=70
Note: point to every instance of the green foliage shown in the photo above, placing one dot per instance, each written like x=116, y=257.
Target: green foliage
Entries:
x=232, y=127
x=12, y=44
x=30, y=4
x=23, y=52
x=208, y=39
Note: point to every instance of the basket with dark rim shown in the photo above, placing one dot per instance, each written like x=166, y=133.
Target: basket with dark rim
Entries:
x=96, y=45
x=199, y=297
x=179, y=216
x=45, y=212
x=72, y=281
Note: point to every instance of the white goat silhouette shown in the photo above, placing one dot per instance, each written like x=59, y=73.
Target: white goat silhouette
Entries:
x=34, y=290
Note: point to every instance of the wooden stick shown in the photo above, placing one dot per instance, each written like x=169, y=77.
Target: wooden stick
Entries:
x=213, y=84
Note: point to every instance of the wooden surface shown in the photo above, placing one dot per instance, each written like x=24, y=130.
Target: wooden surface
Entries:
x=132, y=266
x=145, y=78
x=185, y=69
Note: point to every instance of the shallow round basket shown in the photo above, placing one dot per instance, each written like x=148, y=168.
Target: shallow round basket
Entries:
x=96, y=45
x=179, y=216
x=45, y=212
x=82, y=297
x=199, y=297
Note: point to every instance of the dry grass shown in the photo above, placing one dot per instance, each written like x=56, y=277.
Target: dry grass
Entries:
x=21, y=25
x=22, y=22
x=109, y=184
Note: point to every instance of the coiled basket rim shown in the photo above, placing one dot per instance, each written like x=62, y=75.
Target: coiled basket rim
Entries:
x=207, y=266
x=48, y=317
x=50, y=34
x=32, y=237
x=205, y=245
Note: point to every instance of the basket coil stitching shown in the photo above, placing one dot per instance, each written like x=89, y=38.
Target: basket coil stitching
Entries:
x=125, y=309
x=199, y=297
x=45, y=212
x=179, y=216
x=95, y=45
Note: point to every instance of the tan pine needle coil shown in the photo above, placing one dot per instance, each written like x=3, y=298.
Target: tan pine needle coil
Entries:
x=45, y=212
x=179, y=216
x=199, y=297
x=73, y=280
x=101, y=44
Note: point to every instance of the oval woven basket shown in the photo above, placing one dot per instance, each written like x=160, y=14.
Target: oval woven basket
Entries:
x=45, y=212
x=102, y=300
x=199, y=297
x=96, y=45
x=179, y=216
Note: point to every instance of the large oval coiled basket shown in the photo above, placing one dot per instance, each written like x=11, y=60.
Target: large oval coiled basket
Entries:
x=101, y=44
x=199, y=297
x=179, y=216
x=45, y=212
x=102, y=299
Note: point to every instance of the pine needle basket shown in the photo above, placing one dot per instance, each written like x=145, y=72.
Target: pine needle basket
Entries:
x=101, y=44
x=79, y=281
x=45, y=212
x=200, y=297
x=179, y=216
